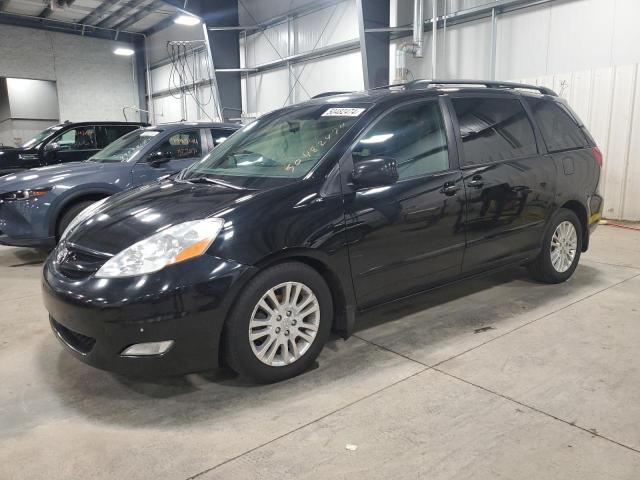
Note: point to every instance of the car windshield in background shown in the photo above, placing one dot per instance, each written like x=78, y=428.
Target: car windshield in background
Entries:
x=41, y=136
x=284, y=146
x=126, y=147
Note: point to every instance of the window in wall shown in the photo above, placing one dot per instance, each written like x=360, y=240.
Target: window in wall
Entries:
x=493, y=129
x=559, y=130
x=413, y=135
x=185, y=144
x=81, y=138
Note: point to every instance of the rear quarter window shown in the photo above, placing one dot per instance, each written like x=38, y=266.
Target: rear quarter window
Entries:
x=559, y=130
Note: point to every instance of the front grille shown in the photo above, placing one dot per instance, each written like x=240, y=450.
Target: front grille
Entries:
x=77, y=341
x=78, y=263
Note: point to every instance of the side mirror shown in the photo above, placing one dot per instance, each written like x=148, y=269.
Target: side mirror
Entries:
x=375, y=172
x=158, y=158
x=51, y=147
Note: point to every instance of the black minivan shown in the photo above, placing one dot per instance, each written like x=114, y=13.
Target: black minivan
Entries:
x=65, y=142
x=318, y=211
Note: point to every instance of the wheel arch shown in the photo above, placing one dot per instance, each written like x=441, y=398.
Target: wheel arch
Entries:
x=580, y=210
x=339, y=285
x=68, y=201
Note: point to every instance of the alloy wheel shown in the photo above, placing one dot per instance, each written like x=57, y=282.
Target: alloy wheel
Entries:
x=284, y=324
x=564, y=244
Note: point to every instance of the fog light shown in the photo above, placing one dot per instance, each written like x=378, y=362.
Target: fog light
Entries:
x=150, y=348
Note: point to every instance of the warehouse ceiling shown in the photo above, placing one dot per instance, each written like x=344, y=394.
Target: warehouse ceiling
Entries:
x=124, y=15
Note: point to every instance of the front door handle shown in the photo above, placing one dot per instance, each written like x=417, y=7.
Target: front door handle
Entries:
x=476, y=182
x=449, y=189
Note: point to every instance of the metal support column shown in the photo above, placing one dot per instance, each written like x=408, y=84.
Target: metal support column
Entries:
x=224, y=46
x=494, y=40
x=434, y=40
x=374, y=46
x=140, y=69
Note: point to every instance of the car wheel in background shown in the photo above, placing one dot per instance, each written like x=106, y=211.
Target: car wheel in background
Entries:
x=69, y=214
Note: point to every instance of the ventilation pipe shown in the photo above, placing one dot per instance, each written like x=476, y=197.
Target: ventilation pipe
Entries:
x=414, y=47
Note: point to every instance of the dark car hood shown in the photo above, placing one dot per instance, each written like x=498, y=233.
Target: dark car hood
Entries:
x=68, y=174
x=133, y=215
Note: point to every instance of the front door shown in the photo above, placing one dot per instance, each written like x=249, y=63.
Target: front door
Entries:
x=174, y=153
x=407, y=236
x=73, y=145
x=509, y=185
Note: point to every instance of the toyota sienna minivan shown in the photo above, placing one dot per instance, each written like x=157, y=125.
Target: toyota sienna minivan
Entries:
x=313, y=213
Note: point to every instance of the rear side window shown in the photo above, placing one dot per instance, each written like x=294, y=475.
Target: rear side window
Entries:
x=110, y=133
x=494, y=129
x=414, y=135
x=219, y=135
x=559, y=130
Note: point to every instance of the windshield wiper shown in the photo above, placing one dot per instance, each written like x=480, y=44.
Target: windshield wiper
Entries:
x=213, y=181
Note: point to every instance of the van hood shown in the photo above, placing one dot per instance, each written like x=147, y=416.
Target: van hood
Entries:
x=64, y=175
x=133, y=215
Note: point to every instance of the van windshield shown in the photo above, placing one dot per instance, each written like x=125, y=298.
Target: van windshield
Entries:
x=282, y=146
x=126, y=147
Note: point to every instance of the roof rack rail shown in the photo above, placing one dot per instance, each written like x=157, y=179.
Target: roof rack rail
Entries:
x=328, y=94
x=415, y=84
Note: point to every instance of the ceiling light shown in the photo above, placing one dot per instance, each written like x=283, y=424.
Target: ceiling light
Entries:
x=124, y=51
x=186, y=20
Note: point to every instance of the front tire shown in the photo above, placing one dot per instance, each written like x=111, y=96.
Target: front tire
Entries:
x=279, y=324
x=561, y=249
x=69, y=214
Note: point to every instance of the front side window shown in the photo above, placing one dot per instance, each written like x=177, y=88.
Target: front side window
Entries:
x=493, y=130
x=283, y=145
x=559, y=130
x=413, y=135
x=185, y=144
x=81, y=138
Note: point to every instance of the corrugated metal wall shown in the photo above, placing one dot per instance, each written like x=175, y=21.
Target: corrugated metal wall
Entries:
x=276, y=88
x=607, y=100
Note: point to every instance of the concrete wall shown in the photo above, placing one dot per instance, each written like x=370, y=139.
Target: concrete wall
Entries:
x=92, y=82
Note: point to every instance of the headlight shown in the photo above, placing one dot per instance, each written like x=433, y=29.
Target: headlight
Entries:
x=171, y=245
x=28, y=156
x=26, y=194
x=82, y=216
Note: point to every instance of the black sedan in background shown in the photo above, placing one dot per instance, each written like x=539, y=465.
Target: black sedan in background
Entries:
x=66, y=142
x=315, y=212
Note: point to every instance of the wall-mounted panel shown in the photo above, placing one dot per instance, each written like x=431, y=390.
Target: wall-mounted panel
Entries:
x=32, y=99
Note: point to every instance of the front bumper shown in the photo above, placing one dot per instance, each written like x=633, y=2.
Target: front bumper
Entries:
x=24, y=223
x=96, y=319
x=45, y=242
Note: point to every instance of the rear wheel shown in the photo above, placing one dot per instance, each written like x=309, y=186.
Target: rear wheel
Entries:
x=69, y=214
x=280, y=323
x=561, y=249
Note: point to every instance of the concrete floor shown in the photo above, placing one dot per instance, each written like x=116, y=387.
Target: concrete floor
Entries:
x=495, y=378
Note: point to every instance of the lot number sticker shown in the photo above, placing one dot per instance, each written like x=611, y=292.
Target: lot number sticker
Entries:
x=343, y=112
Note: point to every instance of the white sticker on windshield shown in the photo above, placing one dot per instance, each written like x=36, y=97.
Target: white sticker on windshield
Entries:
x=343, y=112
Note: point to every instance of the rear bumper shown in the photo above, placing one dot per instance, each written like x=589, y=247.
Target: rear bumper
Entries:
x=97, y=319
